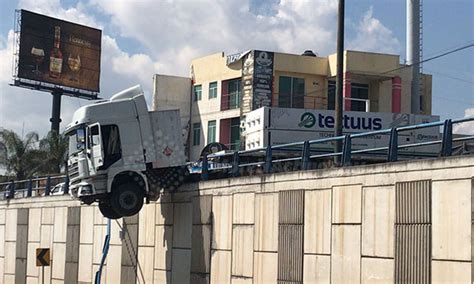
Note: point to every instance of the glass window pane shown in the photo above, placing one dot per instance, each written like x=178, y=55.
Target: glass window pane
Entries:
x=213, y=90
x=211, y=131
x=331, y=94
x=298, y=93
x=235, y=133
x=284, y=91
x=196, y=134
x=197, y=92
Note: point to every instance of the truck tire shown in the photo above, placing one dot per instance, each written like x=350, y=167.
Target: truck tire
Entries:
x=127, y=199
x=107, y=210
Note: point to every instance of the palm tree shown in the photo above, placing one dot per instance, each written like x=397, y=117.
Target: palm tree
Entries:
x=22, y=159
x=54, y=147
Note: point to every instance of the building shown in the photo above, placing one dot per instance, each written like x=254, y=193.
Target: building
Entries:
x=222, y=89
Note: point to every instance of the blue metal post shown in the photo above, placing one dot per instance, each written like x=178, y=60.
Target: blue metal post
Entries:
x=105, y=251
x=235, y=164
x=66, y=184
x=268, y=160
x=29, y=193
x=305, y=156
x=393, y=146
x=47, y=190
x=346, y=151
x=205, y=168
x=447, y=142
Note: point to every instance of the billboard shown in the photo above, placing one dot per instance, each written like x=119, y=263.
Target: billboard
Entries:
x=59, y=52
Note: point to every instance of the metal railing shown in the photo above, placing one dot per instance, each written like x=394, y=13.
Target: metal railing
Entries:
x=307, y=153
x=37, y=186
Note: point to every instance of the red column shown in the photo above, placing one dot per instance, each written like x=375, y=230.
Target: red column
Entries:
x=346, y=90
x=396, y=94
x=224, y=132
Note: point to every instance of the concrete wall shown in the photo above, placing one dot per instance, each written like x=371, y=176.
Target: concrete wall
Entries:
x=365, y=224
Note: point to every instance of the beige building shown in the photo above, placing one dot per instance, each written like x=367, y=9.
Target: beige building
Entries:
x=222, y=89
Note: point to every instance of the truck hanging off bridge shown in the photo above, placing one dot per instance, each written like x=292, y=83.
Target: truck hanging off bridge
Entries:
x=121, y=154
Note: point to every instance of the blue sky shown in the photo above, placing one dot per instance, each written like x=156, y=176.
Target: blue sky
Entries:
x=142, y=37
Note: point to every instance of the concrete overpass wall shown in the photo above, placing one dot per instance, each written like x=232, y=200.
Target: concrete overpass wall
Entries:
x=369, y=224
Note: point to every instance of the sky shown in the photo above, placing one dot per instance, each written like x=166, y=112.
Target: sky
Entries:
x=144, y=37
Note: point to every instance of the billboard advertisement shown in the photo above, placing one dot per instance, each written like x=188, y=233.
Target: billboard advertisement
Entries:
x=59, y=52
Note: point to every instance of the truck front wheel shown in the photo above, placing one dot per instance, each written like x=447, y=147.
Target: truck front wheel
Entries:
x=127, y=199
x=108, y=211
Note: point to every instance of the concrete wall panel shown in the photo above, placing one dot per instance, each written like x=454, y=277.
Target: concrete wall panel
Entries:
x=60, y=224
x=222, y=211
x=34, y=230
x=145, y=260
x=347, y=204
x=244, y=207
x=164, y=213
x=266, y=222
x=221, y=266
x=317, y=221
x=451, y=272
x=146, y=225
x=242, y=250
x=201, y=248
x=2, y=240
x=202, y=209
x=181, y=270
x=451, y=213
x=47, y=216
x=10, y=224
x=377, y=270
x=87, y=227
x=265, y=267
x=58, y=252
x=345, y=261
x=378, y=221
x=317, y=268
x=162, y=276
x=163, y=243
x=85, y=263
x=182, y=225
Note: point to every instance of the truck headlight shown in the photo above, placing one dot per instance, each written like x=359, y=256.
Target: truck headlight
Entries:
x=86, y=189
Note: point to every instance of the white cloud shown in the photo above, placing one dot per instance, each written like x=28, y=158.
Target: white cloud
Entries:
x=372, y=35
x=170, y=34
x=466, y=127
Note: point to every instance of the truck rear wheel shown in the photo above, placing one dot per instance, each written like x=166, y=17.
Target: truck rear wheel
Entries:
x=127, y=199
x=108, y=211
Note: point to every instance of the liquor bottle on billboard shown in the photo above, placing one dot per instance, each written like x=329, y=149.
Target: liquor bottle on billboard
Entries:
x=74, y=63
x=56, y=56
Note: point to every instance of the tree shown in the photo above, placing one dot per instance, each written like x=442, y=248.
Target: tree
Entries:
x=22, y=159
x=53, y=147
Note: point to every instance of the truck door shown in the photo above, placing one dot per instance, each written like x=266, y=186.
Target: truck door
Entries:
x=95, y=143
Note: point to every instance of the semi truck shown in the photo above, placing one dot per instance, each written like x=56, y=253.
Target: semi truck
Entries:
x=120, y=154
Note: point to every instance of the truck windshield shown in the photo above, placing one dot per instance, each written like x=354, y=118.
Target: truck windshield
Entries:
x=77, y=140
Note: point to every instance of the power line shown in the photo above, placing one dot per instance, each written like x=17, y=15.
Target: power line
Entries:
x=432, y=58
x=450, y=76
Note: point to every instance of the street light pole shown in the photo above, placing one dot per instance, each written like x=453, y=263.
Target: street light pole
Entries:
x=339, y=81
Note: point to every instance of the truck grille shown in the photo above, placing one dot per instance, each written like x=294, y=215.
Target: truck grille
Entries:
x=73, y=172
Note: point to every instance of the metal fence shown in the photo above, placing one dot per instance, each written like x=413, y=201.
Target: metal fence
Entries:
x=37, y=186
x=306, y=154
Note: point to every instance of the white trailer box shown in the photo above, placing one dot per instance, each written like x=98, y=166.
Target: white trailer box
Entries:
x=275, y=126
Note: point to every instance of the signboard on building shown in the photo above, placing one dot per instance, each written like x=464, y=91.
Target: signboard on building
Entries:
x=262, y=79
x=286, y=125
x=58, y=52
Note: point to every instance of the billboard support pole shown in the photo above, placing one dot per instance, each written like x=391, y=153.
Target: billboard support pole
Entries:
x=56, y=111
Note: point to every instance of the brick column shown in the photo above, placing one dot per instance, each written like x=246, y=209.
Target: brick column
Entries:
x=396, y=94
x=346, y=90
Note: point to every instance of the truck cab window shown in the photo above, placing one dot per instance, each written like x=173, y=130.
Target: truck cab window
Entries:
x=111, y=145
x=94, y=136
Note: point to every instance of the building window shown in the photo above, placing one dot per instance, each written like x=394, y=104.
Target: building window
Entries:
x=359, y=91
x=211, y=131
x=197, y=93
x=231, y=94
x=235, y=133
x=331, y=95
x=196, y=134
x=291, y=92
x=213, y=90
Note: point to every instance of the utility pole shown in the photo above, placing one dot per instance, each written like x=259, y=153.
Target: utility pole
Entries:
x=339, y=81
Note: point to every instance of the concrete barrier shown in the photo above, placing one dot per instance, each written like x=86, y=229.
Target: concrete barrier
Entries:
x=406, y=221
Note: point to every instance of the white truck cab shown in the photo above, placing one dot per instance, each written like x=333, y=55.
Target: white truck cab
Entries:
x=121, y=153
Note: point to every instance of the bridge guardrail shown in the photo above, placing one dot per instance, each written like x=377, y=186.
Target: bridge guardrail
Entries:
x=347, y=153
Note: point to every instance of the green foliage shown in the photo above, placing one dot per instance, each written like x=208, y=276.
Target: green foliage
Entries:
x=30, y=156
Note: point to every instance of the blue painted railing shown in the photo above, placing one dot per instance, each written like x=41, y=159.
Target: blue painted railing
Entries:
x=392, y=148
